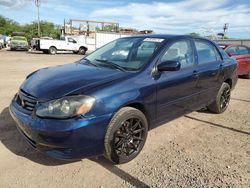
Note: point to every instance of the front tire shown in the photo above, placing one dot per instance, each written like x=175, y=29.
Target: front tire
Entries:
x=222, y=100
x=82, y=51
x=126, y=135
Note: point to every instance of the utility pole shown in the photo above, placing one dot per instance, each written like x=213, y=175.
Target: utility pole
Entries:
x=38, y=3
x=225, y=27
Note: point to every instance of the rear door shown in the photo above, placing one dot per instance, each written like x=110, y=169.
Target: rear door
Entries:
x=210, y=65
x=177, y=91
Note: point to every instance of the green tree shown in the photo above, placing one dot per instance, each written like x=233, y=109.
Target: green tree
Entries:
x=7, y=27
x=194, y=34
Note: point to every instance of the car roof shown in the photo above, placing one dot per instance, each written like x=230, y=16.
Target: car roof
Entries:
x=167, y=36
x=229, y=45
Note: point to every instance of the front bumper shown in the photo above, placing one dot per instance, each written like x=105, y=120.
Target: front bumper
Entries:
x=19, y=46
x=73, y=138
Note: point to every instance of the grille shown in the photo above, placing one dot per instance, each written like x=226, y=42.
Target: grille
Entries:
x=26, y=101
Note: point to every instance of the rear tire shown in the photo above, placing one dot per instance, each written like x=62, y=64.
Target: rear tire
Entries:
x=126, y=135
x=52, y=50
x=247, y=76
x=222, y=100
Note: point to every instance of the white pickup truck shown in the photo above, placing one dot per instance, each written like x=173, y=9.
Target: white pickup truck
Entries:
x=66, y=43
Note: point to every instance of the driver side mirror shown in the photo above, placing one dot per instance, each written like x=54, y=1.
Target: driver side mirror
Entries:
x=229, y=54
x=169, y=66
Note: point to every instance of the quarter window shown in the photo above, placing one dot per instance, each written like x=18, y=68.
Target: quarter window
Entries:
x=206, y=52
x=180, y=51
x=243, y=50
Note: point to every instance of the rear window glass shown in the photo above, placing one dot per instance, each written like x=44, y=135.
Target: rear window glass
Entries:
x=206, y=52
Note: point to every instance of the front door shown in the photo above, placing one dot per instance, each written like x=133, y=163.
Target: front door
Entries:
x=177, y=91
x=72, y=44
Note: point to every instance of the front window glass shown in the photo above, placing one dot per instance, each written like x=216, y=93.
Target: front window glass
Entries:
x=71, y=40
x=243, y=50
x=180, y=51
x=125, y=53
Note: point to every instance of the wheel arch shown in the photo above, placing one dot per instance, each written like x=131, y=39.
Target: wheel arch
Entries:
x=53, y=47
x=142, y=108
x=229, y=81
x=84, y=47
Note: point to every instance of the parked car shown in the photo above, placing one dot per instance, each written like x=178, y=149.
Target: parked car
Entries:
x=63, y=44
x=242, y=55
x=19, y=43
x=1, y=41
x=107, y=102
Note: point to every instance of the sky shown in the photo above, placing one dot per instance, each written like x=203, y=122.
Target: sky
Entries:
x=169, y=16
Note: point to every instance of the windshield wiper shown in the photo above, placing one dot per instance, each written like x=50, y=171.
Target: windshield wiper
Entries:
x=88, y=61
x=111, y=64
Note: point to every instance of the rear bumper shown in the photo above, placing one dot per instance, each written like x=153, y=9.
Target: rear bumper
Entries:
x=64, y=139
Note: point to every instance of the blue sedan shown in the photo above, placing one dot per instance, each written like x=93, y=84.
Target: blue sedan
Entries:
x=105, y=103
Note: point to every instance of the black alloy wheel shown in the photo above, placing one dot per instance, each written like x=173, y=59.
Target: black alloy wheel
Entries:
x=221, y=102
x=126, y=135
x=225, y=98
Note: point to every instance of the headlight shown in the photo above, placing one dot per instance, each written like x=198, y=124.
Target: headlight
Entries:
x=65, y=107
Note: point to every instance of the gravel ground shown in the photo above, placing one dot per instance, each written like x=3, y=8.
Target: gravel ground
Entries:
x=198, y=150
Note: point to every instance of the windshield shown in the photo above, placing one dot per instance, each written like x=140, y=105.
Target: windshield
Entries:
x=127, y=54
x=19, y=38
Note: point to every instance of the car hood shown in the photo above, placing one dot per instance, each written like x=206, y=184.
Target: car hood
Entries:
x=56, y=82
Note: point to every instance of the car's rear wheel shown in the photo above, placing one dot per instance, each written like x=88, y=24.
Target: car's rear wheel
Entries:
x=247, y=76
x=222, y=100
x=52, y=50
x=126, y=135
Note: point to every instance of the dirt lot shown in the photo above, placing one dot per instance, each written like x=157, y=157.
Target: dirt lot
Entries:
x=198, y=150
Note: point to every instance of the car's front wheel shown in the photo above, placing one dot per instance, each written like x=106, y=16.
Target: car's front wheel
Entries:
x=222, y=99
x=82, y=51
x=126, y=135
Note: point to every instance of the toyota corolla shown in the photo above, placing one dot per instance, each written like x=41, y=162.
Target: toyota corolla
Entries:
x=105, y=103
